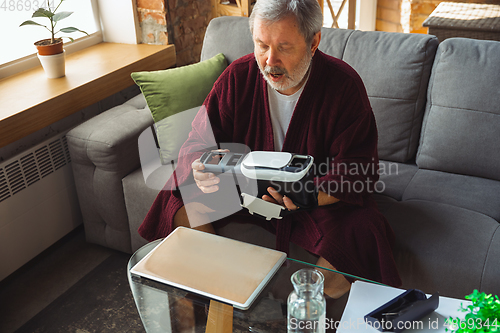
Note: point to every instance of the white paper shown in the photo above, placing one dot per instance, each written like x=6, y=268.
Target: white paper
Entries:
x=366, y=297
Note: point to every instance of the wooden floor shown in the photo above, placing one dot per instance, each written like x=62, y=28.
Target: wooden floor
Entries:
x=35, y=285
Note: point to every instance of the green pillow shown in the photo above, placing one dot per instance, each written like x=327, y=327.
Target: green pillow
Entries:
x=175, y=90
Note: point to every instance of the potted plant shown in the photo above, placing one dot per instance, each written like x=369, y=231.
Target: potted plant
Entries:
x=482, y=316
x=50, y=50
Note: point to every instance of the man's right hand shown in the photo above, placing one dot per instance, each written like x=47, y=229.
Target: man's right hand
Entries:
x=206, y=182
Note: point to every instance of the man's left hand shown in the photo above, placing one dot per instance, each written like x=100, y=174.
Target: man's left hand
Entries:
x=279, y=199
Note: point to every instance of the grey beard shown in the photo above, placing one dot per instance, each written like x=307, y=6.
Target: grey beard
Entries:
x=293, y=79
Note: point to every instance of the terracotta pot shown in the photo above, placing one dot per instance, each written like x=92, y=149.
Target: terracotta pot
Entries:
x=45, y=48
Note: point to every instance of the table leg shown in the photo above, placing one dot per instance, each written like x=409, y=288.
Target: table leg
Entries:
x=220, y=318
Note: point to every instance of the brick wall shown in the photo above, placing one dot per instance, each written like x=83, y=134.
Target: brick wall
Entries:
x=179, y=22
x=389, y=14
x=153, y=21
x=408, y=15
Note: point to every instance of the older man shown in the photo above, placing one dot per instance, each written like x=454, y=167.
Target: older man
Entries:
x=289, y=96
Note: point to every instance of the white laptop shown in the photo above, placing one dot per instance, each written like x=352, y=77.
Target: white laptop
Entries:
x=223, y=269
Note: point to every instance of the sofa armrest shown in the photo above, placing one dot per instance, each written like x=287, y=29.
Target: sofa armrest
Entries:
x=103, y=150
x=109, y=140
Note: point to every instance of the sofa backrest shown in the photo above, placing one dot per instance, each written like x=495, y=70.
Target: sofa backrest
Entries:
x=395, y=69
x=461, y=130
x=229, y=35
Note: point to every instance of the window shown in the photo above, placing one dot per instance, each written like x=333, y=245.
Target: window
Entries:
x=17, y=42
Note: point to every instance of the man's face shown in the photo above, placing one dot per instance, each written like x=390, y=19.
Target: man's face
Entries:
x=282, y=53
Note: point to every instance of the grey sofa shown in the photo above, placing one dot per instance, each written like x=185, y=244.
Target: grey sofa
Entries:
x=438, y=114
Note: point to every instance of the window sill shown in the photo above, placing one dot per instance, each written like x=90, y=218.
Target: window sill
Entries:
x=29, y=101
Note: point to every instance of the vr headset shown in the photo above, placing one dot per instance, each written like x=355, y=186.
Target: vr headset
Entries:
x=289, y=174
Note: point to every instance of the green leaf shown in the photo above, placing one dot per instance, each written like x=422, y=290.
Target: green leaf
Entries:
x=483, y=314
x=61, y=15
x=41, y=12
x=29, y=22
x=72, y=29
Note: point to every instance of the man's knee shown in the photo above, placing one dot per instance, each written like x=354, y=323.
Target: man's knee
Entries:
x=193, y=217
x=181, y=219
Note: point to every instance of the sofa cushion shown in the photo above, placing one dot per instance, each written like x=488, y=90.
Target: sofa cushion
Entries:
x=442, y=248
x=175, y=90
x=462, y=121
x=474, y=193
x=394, y=178
x=395, y=69
x=489, y=282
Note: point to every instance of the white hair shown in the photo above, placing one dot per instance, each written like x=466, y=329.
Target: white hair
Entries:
x=307, y=12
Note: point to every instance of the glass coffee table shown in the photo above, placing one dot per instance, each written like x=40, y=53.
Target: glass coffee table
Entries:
x=164, y=308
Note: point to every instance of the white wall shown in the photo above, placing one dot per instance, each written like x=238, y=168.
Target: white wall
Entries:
x=119, y=21
x=366, y=15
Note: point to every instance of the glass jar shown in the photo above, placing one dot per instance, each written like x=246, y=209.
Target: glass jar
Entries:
x=306, y=303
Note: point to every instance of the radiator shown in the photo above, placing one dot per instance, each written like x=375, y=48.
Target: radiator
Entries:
x=38, y=202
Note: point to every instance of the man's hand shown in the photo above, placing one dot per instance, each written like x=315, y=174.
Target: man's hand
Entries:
x=276, y=198
x=206, y=182
x=279, y=199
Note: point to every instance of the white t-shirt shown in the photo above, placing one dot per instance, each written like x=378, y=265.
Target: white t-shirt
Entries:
x=281, y=107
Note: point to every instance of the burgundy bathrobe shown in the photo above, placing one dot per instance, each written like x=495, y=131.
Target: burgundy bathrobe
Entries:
x=334, y=123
